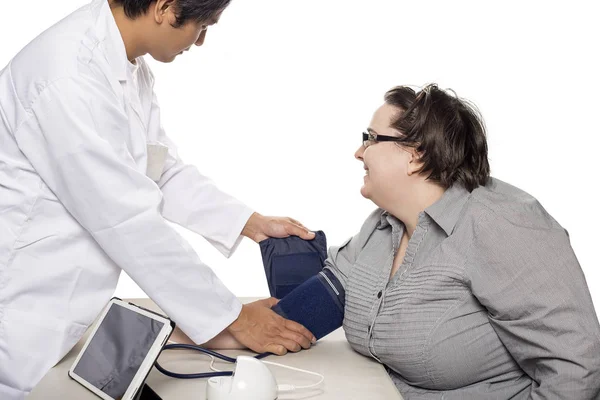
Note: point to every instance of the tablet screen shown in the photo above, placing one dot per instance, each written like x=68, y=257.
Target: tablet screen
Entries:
x=117, y=350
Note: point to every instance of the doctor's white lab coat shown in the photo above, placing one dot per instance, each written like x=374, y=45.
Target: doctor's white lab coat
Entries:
x=82, y=197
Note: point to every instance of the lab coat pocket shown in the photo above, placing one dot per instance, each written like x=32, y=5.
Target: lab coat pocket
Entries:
x=157, y=156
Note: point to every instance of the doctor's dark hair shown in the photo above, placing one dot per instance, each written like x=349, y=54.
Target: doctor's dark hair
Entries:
x=185, y=10
x=448, y=133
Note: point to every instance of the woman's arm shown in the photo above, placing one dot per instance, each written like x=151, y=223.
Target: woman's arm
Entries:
x=527, y=276
x=340, y=259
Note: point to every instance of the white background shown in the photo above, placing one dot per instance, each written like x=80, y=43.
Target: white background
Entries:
x=272, y=106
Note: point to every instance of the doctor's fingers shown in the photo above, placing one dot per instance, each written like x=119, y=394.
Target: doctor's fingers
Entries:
x=302, y=341
x=296, y=222
x=300, y=329
x=293, y=227
x=269, y=302
x=276, y=349
x=288, y=344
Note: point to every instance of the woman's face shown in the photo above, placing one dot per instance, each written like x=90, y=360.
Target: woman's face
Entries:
x=388, y=165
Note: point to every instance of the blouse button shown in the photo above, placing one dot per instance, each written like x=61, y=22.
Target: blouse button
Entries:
x=379, y=294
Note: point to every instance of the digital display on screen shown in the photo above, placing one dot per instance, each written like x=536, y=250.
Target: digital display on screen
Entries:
x=117, y=350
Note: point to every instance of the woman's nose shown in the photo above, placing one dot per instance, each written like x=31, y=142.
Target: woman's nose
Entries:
x=359, y=153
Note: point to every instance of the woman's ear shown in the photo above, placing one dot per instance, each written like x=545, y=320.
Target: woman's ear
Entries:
x=414, y=163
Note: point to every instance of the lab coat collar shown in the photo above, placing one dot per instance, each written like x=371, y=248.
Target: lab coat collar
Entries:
x=111, y=40
x=447, y=210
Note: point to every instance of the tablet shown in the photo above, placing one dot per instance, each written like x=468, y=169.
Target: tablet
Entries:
x=121, y=350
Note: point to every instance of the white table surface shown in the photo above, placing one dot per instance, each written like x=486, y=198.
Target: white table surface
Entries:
x=348, y=375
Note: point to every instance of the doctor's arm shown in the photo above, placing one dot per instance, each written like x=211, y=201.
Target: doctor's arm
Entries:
x=539, y=305
x=324, y=292
x=73, y=137
x=194, y=201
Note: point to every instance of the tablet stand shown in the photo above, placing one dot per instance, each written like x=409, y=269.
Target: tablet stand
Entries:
x=146, y=393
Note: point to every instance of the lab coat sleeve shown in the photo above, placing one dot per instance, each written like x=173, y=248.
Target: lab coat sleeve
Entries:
x=194, y=201
x=73, y=137
x=539, y=305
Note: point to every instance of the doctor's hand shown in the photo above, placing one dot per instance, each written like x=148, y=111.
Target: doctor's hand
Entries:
x=262, y=330
x=259, y=228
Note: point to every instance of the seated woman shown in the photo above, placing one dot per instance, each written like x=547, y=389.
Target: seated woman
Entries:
x=463, y=286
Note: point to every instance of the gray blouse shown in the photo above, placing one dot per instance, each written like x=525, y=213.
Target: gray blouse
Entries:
x=489, y=302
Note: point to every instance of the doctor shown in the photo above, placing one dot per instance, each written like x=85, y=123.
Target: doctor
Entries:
x=88, y=179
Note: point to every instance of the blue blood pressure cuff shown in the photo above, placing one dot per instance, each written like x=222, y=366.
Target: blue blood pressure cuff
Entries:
x=318, y=304
x=309, y=294
x=290, y=261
